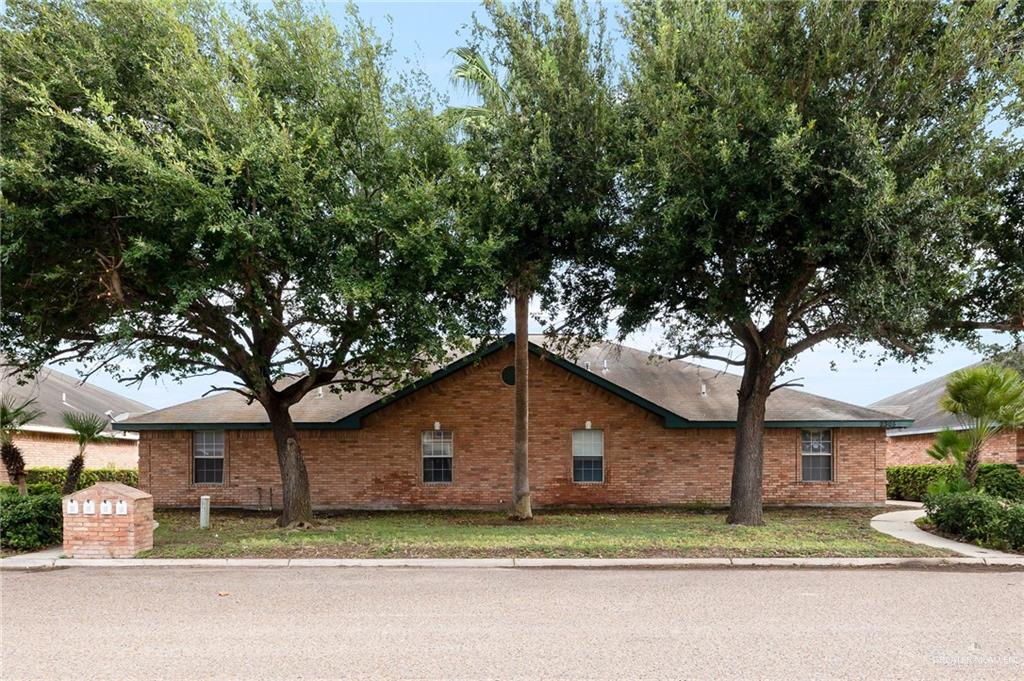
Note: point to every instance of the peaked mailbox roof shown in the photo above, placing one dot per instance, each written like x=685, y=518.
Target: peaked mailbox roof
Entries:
x=672, y=390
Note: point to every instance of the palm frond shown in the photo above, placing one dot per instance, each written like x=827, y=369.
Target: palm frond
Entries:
x=14, y=415
x=87, y=427
x=472, y=73
x=950, y=446
x=988, y=392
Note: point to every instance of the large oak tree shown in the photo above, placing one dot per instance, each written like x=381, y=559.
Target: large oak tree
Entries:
x=234, y=190
x=810, y=171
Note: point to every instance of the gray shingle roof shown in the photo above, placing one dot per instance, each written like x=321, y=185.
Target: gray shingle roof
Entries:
x=56, y=392
x=673, y=387
x=921, y=403
x=676, y=386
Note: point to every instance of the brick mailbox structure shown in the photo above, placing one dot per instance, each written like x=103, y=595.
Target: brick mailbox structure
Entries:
x=107, y=520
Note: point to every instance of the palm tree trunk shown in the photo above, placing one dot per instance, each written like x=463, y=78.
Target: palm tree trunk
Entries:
x=971, y=460
x=74, y=473
x=521, y=509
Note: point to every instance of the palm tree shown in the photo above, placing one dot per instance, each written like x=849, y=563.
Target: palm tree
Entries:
x=473, y=73
x=539, y=144
x=13, y=416
x=88, y=428
x=986, y=400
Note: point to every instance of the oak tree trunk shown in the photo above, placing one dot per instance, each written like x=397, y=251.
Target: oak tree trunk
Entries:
x=746, y=504
x=297, y=508
x=521, y=509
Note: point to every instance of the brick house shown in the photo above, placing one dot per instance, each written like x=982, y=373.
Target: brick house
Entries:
x=921, y=404
x=47, y=442
x=612, y=428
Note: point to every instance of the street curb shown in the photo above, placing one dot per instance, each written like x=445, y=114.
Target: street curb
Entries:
x=14, y=564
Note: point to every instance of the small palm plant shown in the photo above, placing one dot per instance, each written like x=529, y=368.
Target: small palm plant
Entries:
x=88, y=428
x=986, y=400
x=13, y=416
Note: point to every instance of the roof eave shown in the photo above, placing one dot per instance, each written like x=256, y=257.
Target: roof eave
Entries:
x=354, y=420
x=805, y=423
x=248, y=425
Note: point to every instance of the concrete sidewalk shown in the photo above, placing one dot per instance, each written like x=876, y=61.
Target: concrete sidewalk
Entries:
x=902, y=525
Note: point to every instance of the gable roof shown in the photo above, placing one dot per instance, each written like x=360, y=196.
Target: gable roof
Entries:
x=669, y=390
x=921, y=403
x=55, y=392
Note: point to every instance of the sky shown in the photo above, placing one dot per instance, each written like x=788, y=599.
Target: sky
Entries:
x=422, y=33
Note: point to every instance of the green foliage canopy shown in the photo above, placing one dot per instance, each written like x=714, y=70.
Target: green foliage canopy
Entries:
x=242, y=190
x=798, y=172
x=538, y=143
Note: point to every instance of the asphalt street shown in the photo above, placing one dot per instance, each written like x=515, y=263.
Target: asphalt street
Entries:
x=310, y=623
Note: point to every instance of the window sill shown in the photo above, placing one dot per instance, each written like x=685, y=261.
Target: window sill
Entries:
x=588, y=482
x=816, y=482
x=207, y=484
x=437, y=484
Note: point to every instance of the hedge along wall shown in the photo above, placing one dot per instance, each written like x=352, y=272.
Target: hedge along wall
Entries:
x=90, y=476
x=910, y=483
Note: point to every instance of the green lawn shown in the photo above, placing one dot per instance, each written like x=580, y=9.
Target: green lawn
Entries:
x=648, y=533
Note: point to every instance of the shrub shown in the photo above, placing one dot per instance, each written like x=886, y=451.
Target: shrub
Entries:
x=973, y=515
x=1014, y=526
x=911, y=482
x=1002, y=480
x=30, y=522
x=89, y=477
x=34, y=488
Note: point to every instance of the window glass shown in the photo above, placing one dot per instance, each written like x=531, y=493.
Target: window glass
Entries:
x=588, y=456
x=208, y=457
x=816, y=451
x=436, y=448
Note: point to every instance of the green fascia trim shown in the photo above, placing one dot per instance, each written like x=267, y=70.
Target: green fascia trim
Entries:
x=614, y=388
x=672, y=422
x=354, y=420
x=135, y=427
x=794, y=424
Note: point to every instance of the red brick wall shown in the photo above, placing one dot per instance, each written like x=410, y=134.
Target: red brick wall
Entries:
x=379, y=466
x=1007, y=447
x=55, y=449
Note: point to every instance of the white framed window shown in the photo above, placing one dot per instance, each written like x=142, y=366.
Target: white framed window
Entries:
x=436, y=448
x=208, y=457
x=588, y=456
x=816, y=455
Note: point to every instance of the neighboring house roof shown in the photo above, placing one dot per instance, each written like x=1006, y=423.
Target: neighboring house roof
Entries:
x=671, y=390
x=921, y=403
x=56, y=392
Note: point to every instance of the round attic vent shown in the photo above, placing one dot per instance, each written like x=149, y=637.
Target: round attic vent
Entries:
x=508, y=375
